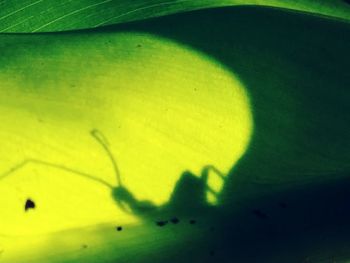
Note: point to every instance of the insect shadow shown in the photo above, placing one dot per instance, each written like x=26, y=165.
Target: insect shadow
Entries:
x=189, y=193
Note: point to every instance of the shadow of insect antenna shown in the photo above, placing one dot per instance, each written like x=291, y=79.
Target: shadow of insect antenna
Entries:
x=121, y=195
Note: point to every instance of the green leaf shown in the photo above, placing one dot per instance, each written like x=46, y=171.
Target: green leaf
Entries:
x=48, y=16
x=261, y=93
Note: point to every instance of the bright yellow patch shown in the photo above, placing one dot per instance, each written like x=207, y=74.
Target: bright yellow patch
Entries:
x=163, y=107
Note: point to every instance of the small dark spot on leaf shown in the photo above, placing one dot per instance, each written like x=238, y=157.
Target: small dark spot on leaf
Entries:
x=175, y=220
x=139, y=45
x=259, y=214
x=119, y=228
x=84, y=246
x=192, y=221
x=161, y=223
x=29, y=205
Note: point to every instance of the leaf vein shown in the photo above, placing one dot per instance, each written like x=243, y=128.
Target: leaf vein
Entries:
x=69, y=14
x=21, y=9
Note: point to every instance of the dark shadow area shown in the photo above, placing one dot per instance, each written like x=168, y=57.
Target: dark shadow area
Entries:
x=189, y=198
x=314, y=224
